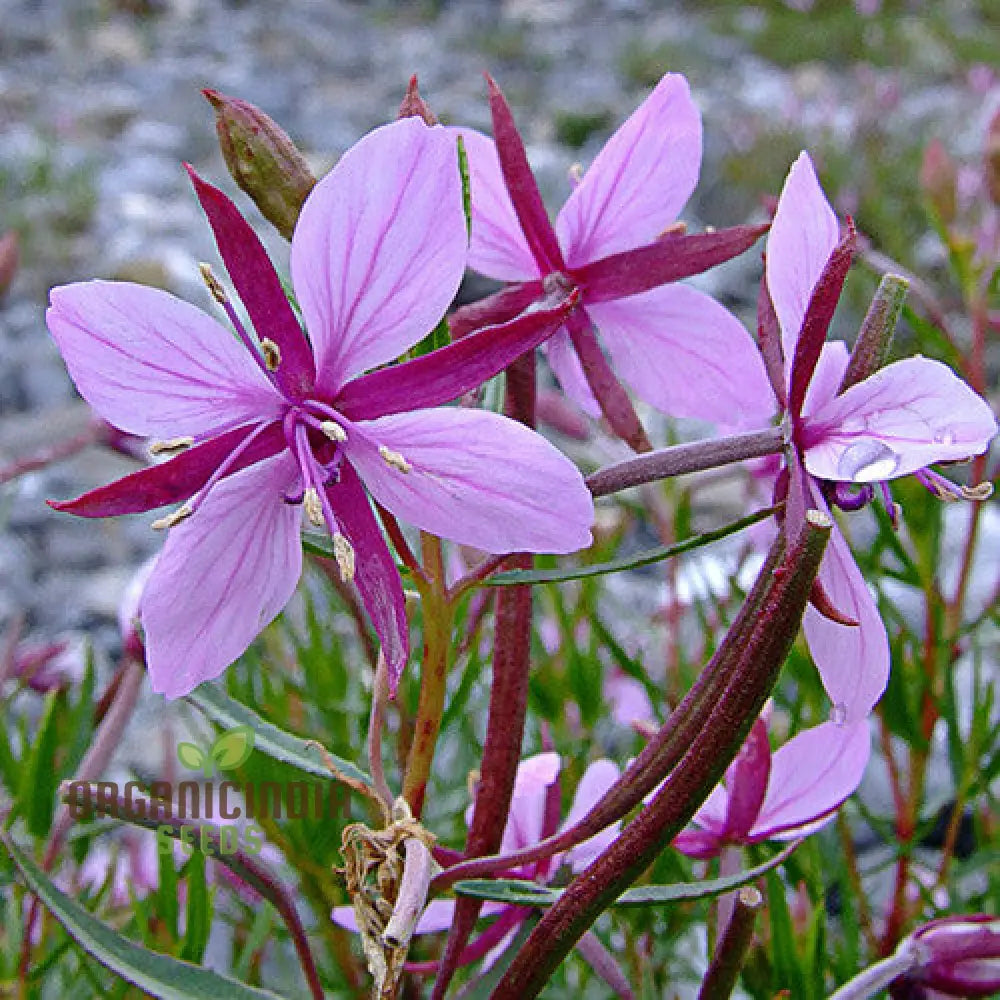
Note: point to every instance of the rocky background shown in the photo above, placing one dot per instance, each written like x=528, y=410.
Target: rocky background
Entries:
x=100, y=104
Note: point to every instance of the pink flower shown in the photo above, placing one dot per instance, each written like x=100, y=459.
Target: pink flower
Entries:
x=676, y=347
x=894, y=423
x=958, y=956
x=285, y=423
x=530, y=820
x=790, y=793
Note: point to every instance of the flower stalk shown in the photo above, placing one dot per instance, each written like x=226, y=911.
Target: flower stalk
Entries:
x=751, y=656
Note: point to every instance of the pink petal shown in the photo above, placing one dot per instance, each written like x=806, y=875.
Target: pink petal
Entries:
x=379, y=249
x=565, y=365
x=476, y=478
x=803, y=235
x=437, y=916
x=375, y=573
x=711, y=814
x=698, y=844
x=259, y=288
x=853, y=660
x=686, y=355
x=747, y=782
x=907, y=415
x=223, y=575
x=534, y=777
x=811, y=776
x=596, y=780
x=497, y=247
x=640, y=180
x=628, y=700
x=153, y=365
x=827, y=376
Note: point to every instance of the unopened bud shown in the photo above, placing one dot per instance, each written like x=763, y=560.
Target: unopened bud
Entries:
x=959, y=955
x=9, y=259
x=937, y=180
x=414, y=106
x=263, y=160
x=871, y=349
x=991, y=166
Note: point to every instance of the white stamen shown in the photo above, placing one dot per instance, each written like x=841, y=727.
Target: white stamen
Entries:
x=272, y=355
x=214, y=285
x=173, y=444
x=333, y=431
x=981, y=491
x=343, y=552
x=181, y=514
x=394, y=458
x=313, y=506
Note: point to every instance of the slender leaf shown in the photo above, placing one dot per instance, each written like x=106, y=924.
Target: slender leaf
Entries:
x=520, y=892
x=520, y=576
x=38, y=787
x=276, y=743
x=159, y=975
x=199, y=910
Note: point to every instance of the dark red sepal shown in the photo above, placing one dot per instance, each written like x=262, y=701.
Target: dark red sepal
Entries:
x=817, y=319
x=672, y=257
x=174, y=480
x=522, y=187
x=258, y=286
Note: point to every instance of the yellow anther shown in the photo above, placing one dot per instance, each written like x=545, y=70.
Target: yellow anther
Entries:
x=214, y=285
x=343, y=552
x=678, y=228
x=272, y=356
x=182, y=513
x=313, y=506
x=333, y=430
x=174, y=444
x=575, y=173
x=394, y=458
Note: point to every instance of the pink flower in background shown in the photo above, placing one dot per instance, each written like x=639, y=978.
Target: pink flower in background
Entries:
x=676, y=347
x=894, y=423
x=282, y=423
x=781, y=796
x=530, y=820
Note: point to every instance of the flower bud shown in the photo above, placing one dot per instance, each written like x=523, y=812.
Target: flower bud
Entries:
x=871, y=349
x=414, y=106
x=992, y=159
x=958, y=956
x=262, y=159
x=937, y=180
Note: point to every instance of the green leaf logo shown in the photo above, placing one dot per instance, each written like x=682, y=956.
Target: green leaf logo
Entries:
x=228, y=752
x=191, y=756
x=233, y=748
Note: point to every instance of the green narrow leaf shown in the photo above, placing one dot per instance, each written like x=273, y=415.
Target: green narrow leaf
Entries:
x=191, y=756
x=159, y=975
x=199, y=910
x=463, y=169
x=39, y=779
x=521, y=576
x=167, y=908
x=233, y=748
x=787, y=967
x=526, y=893
x=274, y=742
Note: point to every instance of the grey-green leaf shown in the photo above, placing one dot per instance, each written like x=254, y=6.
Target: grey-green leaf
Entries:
x=523, y=893
x=520, y=576
x=159, y=975
x=276, y=743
